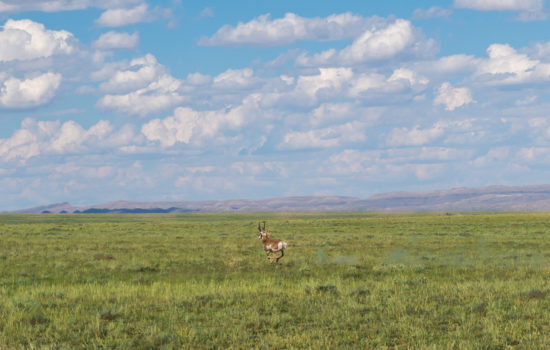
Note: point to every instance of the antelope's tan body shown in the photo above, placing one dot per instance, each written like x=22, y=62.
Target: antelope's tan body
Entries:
x=271, y=245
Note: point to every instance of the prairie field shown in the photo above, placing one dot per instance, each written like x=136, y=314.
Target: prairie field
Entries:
x=347, y=281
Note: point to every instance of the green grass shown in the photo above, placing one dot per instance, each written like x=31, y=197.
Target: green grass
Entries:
x=348, y=280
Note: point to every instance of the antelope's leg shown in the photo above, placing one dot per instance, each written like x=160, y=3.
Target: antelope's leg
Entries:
x=282, y=254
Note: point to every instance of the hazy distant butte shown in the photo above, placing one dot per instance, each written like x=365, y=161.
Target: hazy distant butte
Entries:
x=494, y=198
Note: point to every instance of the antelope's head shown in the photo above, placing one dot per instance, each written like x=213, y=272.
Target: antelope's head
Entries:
x=263, y=232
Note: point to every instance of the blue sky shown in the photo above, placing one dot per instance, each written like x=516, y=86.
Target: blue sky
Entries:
x=178, y=100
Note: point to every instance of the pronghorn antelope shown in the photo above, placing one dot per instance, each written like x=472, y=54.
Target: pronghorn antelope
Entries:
x=271, y=245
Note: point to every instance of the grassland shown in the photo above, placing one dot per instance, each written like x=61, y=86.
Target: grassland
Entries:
x=348, y=280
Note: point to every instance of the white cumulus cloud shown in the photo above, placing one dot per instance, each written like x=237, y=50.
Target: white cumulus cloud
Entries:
x=141, y=88
x=415, y=136
x=117, y=41
x=451, y=97
x=156, y=97
x=400, y=80
x=343, y=83
x=500, y=5
x=504, y=59
x=451, y=64
x=234, y=78
x=333, y=113
x=332, y=136
x=263, y=31
x=117, y=13
x=506, y=66
x=191, y=126
x=119, y=17
x=30, y=92
x=61, y=5
x=42, y=5
x=330, y=80
x=528, y=9
x=139, y=73
x=36, y=138
x=26, y=40
x=432, y=12
x=377, y=43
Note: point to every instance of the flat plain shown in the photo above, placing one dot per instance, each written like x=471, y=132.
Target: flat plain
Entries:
x=348, y=280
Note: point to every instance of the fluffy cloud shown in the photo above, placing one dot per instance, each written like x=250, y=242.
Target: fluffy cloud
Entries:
x=503, y=65
x=263, y=31
x=117, y=41
x=31, y=92
x=380, y=44
x=504, y=59
x=400, y=80
x=432, y=12
x=351, y=161
x=506, y=66
x=407, y=76
x=259, y=168
x=537, y=156
x=52, y=137
x=415, y=136
x=366, y=82
x=177, y=128
x=119, y=17
x=198, y=79
x=375, y=165
x=118, y=12
x=451, y=97
x=329, y=81
x=420, y=163
x=139, y=73
x=335, y=113
x=27, y=40
x=160, y=95
x=329, y=137
x=500, y=5
x=191, y=126
x=307, y=90
x=234, y=79
x=377, y=43
x=528, y=9
x=497, y=154
x=342, y=83
x=39, y=5
x=143, y=87
x=541, y=51
x=61, y=5
x=452, y=64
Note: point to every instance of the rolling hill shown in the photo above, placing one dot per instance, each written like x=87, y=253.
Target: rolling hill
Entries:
x=493, y=198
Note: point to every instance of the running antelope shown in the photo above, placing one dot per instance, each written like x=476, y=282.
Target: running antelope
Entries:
x=271, y=245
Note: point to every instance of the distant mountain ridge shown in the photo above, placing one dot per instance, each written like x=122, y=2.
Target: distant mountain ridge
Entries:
x=493, y=198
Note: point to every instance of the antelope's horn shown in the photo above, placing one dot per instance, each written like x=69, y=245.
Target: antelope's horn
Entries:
x=259, y=227
x=264, y=225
